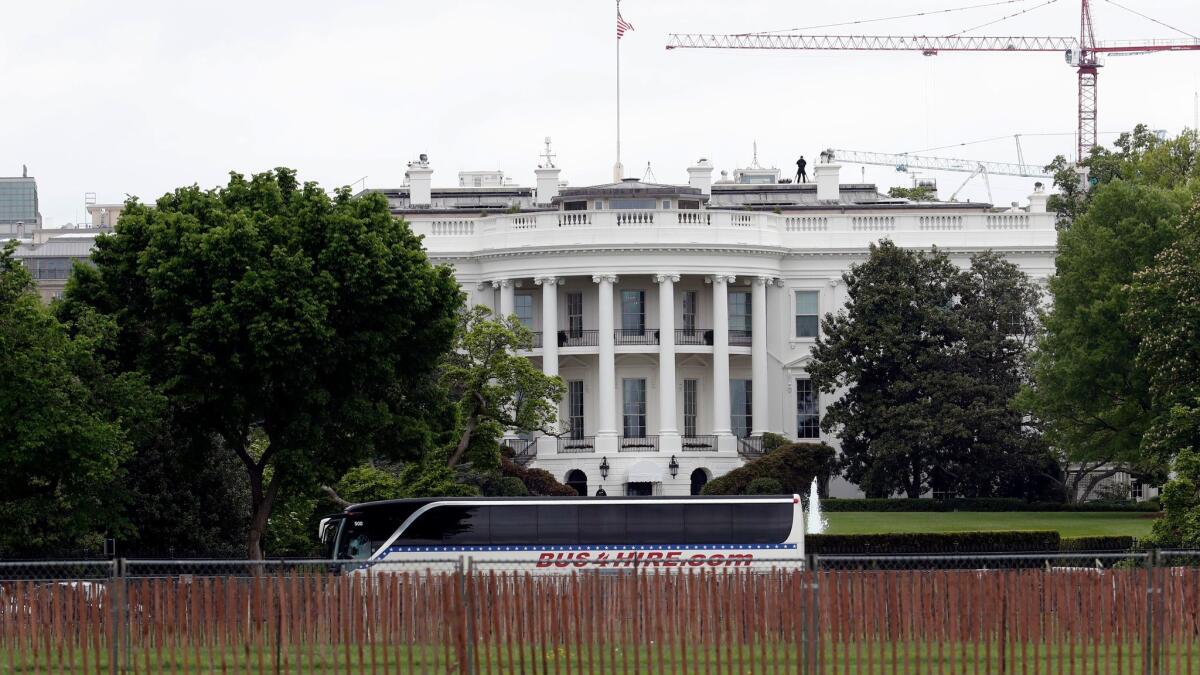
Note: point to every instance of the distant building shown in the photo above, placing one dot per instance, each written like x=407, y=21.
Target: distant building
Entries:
x=49, y=254
x=19, y=215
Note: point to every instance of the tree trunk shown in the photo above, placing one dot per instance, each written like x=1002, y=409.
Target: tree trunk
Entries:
x=464, y=441
x=261, y=502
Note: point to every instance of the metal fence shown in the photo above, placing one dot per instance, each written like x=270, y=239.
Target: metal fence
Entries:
x=1039, y=613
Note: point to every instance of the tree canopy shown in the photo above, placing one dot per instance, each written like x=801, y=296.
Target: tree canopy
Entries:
x=68, y=425
x=266, y=304
x=924, y=361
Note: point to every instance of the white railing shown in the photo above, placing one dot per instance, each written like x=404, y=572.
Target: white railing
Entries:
x=452, y=228
x=806, y=223
x=732, y=228
x=942, y=223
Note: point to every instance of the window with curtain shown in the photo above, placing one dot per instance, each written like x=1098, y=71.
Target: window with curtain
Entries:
x=523, y=308
x=633, y=312
x=808, y=414
x=575, y=408
x=690, y=388
x=634, y=408
x=740, y=318
x=741, y=405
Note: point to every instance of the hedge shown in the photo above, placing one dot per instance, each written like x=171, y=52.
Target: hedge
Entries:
x=996, y=504
x=792, y=466
x=1108, y=543
x=931, y=542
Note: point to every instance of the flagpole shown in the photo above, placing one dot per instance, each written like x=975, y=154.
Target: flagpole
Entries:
x=618, y=170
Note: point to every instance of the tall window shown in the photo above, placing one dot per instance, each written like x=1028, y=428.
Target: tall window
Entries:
x=808, y=414
x=806, y=313
x=633, y=312
x=739, y=311
x=575, y=314
x=741, y=405
x=634, y=408
x=689, y=311
x=523, y=308
x=689, y=407
x=575, y=407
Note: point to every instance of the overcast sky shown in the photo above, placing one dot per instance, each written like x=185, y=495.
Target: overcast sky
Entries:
x=140, y=97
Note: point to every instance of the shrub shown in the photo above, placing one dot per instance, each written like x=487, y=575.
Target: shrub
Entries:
x=538, y=482
x=772, y=442
x=1108, y=543
x=931, y=542
x=793, y=466
x=764, y=486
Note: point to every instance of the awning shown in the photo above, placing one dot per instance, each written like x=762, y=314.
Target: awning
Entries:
x=644, y=471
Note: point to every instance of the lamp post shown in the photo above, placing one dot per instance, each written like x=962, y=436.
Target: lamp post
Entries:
x=673, y=466
x=604, y=467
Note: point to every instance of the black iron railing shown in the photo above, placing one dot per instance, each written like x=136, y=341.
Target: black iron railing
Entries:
x=699, y=443
x=582, y=444
x=638, y=444
x=694, y=336
x=578, y=338
x=740, y=338
x=524, y=449
x=636, y=336
x=750, y=447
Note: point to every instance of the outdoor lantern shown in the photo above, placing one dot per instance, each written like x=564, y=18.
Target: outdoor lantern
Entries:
x=674, y=467
x=604, y=467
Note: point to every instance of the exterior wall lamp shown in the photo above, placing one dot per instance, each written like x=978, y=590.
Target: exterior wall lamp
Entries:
x=604, y=467
x=673, y=466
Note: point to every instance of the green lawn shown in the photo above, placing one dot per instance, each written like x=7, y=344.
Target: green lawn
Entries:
x=1067, y=524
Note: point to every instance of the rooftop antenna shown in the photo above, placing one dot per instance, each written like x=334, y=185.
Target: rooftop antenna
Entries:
x=754, y=160
x=24, y=171
x=548, y=156
x=648, y=177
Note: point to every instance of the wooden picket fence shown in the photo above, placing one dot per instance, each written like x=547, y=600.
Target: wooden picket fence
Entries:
x=781, y=621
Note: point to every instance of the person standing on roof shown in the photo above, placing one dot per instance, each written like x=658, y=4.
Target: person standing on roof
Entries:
x=801, y=174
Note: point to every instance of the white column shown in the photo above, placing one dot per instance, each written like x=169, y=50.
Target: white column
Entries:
x=507, y=303
x=549, y=323
x=758, y=356
x=606, y=380
x=721, y=412
x=668, y=433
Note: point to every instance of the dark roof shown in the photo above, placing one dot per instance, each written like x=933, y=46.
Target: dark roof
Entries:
x=630, y=187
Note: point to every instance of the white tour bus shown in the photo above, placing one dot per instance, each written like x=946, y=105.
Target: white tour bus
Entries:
x=560, y=534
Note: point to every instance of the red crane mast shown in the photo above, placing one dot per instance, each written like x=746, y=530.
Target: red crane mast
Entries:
x=1083, y=52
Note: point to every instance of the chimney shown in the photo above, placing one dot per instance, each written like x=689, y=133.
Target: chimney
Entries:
x=547, y=183
x=420, y=182
x=1037, y=200
x=825, y=173
x=700, y=176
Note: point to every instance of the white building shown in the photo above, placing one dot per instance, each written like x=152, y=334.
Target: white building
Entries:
x=682, y=316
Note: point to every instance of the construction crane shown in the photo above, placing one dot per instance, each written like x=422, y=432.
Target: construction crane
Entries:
x=1083, y=53
x=906, y=162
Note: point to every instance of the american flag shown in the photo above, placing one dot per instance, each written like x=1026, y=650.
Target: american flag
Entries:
x=622, y=25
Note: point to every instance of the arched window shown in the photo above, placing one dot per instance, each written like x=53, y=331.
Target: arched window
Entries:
x=578, y=480
x=699, y=480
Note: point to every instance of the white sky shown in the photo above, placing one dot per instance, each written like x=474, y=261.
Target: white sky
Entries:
x=140, y=97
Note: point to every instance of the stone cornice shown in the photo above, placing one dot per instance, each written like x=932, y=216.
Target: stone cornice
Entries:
x=777, y=252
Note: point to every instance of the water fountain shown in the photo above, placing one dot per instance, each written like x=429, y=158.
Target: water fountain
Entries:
x=816, y=520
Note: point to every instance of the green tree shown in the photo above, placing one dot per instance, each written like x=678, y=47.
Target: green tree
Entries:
x=66, y=425
x=266, y=304
x=925, y=361
x=919, y=193
x=1179, y=526
x=1087, y=392
x=495, y=387
x=1164, y=314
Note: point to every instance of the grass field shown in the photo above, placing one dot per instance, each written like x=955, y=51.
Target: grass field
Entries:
x=1067, y=524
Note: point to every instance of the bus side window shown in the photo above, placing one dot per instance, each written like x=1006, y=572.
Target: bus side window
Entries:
x=513, y=524
x=708, y=524
x=762, y=523
x=558, y=524
x=655, y=523
x=602, y=524
x=448, y=526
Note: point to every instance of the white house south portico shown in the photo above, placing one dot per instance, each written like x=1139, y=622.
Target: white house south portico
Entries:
x=681, y=317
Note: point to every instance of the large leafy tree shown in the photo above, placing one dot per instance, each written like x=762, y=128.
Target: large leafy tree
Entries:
x=268, y=305
x=1164, y=313
x=66, y=425
x=925, y=360
x=1089, y=394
